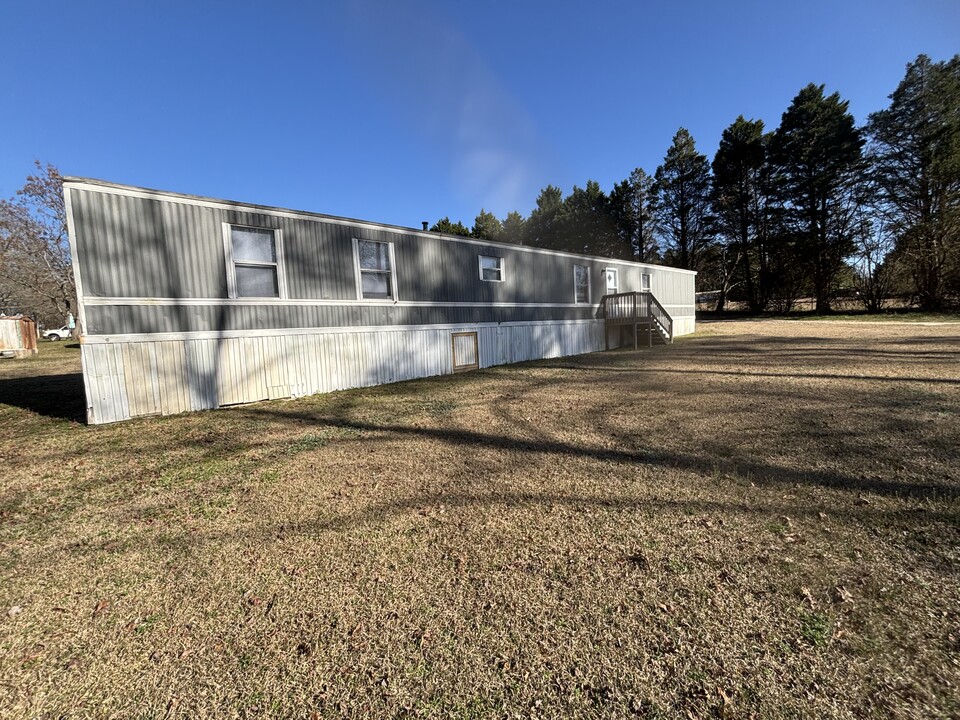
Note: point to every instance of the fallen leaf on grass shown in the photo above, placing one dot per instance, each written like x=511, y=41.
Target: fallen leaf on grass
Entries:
x=842, y=595
x=29, y=657
x=727, y=710
x=101, y=607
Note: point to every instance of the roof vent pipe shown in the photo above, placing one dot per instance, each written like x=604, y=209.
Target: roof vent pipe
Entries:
x=425, y=223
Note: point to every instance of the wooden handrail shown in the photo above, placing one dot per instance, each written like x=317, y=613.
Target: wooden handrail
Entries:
x=633, y=307
x=661, y=315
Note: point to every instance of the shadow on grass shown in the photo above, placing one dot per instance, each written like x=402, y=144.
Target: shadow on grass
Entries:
x=748, y=373
x=760, y=472
x=56, y=396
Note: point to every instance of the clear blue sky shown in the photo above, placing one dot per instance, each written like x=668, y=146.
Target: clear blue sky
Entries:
x=399, y=111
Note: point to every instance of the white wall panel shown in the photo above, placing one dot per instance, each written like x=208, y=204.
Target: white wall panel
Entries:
x=138, y=378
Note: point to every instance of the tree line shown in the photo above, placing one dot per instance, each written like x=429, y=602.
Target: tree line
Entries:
x=817, y=207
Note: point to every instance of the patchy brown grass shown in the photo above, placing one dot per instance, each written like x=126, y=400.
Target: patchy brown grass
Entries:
x=759, y=521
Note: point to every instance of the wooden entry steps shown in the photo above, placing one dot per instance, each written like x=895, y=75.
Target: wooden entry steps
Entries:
x=639, y=311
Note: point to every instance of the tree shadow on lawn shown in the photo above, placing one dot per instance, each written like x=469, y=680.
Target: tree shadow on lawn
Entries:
x=56, y=396
x=751, y=373
x=378, y=512
x=759, y=356
x=755, y=471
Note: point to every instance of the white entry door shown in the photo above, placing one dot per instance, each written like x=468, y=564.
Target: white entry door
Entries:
x=613, y=280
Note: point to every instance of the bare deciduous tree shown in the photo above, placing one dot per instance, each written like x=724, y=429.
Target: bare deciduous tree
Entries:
x=873, y=266
x=36, y=275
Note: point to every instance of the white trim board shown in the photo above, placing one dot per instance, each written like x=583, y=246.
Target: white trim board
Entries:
x=95, y=301
x=78, y=286
x=348, y=329
x=74, y=259
x=101, y=186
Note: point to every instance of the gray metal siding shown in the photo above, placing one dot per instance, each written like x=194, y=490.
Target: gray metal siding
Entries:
x=136, y=319
x=133, y=247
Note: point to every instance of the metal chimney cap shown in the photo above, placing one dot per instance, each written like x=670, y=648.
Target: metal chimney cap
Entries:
x=425, y=223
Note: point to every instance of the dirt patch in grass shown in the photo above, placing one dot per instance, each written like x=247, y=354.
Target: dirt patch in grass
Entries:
x=759, y=521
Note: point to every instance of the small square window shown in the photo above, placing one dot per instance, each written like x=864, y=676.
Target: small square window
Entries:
x=581, y=284
x=377, y=280
x=253, y=262
x=491, y=268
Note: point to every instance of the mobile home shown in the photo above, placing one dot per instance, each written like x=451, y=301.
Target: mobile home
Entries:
x=191, y=303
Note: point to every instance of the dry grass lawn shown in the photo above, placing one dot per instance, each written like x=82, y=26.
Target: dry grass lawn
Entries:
x=758, y=521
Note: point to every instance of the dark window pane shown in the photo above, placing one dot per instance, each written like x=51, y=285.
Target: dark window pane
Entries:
x=491, y=274
x=255, y=281
x=252, y=244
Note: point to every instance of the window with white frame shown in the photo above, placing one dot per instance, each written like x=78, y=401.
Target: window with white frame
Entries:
x=613, y=280
x=491, y=268
x=375, y=270
x=254, y=262
x=581, y=284
x=645, y=282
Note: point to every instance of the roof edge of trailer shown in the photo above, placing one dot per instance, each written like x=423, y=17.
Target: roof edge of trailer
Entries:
x=218, y=203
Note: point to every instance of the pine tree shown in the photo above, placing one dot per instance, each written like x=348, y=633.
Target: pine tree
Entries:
x=739, y=201
x=585, y=222
x=444, y=225
x=817, y=161
x=915, y=156
x=487, y=226
x=513, y=228
x=631, y=208
x=543, y=226
x=682, y=210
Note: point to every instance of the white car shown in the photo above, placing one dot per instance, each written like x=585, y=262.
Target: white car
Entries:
x=58, y=334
